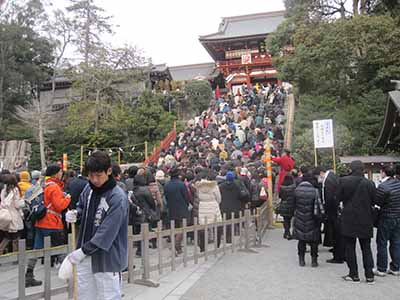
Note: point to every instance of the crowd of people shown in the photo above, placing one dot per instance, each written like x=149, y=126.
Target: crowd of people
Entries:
x=215, y=168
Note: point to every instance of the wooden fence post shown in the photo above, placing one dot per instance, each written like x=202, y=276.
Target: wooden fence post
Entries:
x=247, y=220
x=184, y=242
x=173, y=250
x=21, y=269
x=47, y=269
x=233, y=231
x=205, y=238
x=224, y=233
x=146, y=259
x=70, y=281
x=240, y=229
x=131, y=255
x=159, y=247
x=196, y=241
x=215, y=237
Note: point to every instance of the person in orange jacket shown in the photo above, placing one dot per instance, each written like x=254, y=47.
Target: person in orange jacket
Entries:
x=51, y=224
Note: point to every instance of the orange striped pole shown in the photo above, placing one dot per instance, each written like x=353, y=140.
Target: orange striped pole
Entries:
x=65, y=162
x=268, y=160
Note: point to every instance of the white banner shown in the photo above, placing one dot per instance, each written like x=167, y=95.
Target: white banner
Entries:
x=323, y=133
x=246, y=59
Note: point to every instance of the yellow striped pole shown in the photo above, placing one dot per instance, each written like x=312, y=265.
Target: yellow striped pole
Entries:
x=268, y=160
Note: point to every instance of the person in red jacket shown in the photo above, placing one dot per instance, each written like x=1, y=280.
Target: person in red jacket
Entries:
x=286, y=163
x=51, y=224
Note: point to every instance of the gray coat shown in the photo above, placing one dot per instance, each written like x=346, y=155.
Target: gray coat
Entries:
x=110, y=230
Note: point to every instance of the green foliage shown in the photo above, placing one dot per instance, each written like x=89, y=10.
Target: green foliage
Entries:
x=150, y=121
x=341, y=69
x=121, y=124
x=304, y=147
x=281, y=38
x=386, y=7
x=345, y=57
x=357, y=125
x=199, y=94
x=365, y=119
x=24, y=61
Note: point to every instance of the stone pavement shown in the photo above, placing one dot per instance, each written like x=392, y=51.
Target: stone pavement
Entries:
x=274, y=273
x=172, y=284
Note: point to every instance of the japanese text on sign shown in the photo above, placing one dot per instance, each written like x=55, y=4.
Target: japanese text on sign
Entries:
x=323, y=133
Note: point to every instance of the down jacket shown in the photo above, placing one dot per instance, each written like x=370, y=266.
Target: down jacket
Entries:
x=208, y=198
x=287, y=205
x=14, y=204
x=306, y=228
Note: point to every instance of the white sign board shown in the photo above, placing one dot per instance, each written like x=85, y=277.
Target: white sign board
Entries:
x=246, y=59
x=323, y=133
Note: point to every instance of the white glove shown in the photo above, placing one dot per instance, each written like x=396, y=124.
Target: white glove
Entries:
x=66, y=270
x=76, y=256
x=71, y=216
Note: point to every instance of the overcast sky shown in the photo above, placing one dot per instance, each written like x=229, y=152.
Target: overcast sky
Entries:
x=168, y=31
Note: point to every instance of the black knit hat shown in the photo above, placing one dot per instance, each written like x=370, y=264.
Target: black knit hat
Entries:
x=357, y=166
x=52, y=170
x=174, y=172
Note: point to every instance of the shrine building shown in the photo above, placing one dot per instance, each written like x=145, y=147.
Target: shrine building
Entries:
x=238, y=48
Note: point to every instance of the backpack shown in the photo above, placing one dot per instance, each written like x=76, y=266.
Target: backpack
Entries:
x=36, y=209
x=255, y=190
x=244, y=194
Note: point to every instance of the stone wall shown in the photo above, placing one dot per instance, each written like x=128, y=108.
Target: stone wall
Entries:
x=14, y=154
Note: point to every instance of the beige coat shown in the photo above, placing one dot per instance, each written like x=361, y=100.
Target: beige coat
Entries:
x=209, y=198
x=14, y=203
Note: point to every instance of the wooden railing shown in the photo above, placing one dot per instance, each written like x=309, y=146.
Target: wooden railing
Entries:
x=247, y=232
x=163, y=146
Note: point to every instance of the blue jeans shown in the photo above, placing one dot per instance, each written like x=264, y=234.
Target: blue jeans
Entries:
x=40, y=234
x=38, y=243
x=388, y=230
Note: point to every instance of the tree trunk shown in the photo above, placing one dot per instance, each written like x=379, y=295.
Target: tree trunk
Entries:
x=87, y=47
x=53, y=87
x=355, y=7
x=1, y=99
x=96, y=124
x=363, y=7
x=2, y=75
x=41, y=141
x=87, y=35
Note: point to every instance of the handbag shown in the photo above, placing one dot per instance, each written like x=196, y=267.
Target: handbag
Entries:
x=5, y=219
x=5, y=215
x=263, y=194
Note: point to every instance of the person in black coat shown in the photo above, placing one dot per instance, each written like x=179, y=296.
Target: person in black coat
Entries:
x=74, y=186
x=177, y=198
x=307, y=230
x=357, y=195
x=287, y=204
x=332, y=233
x=141, y=208
x=230, y=201
x=329, y=187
